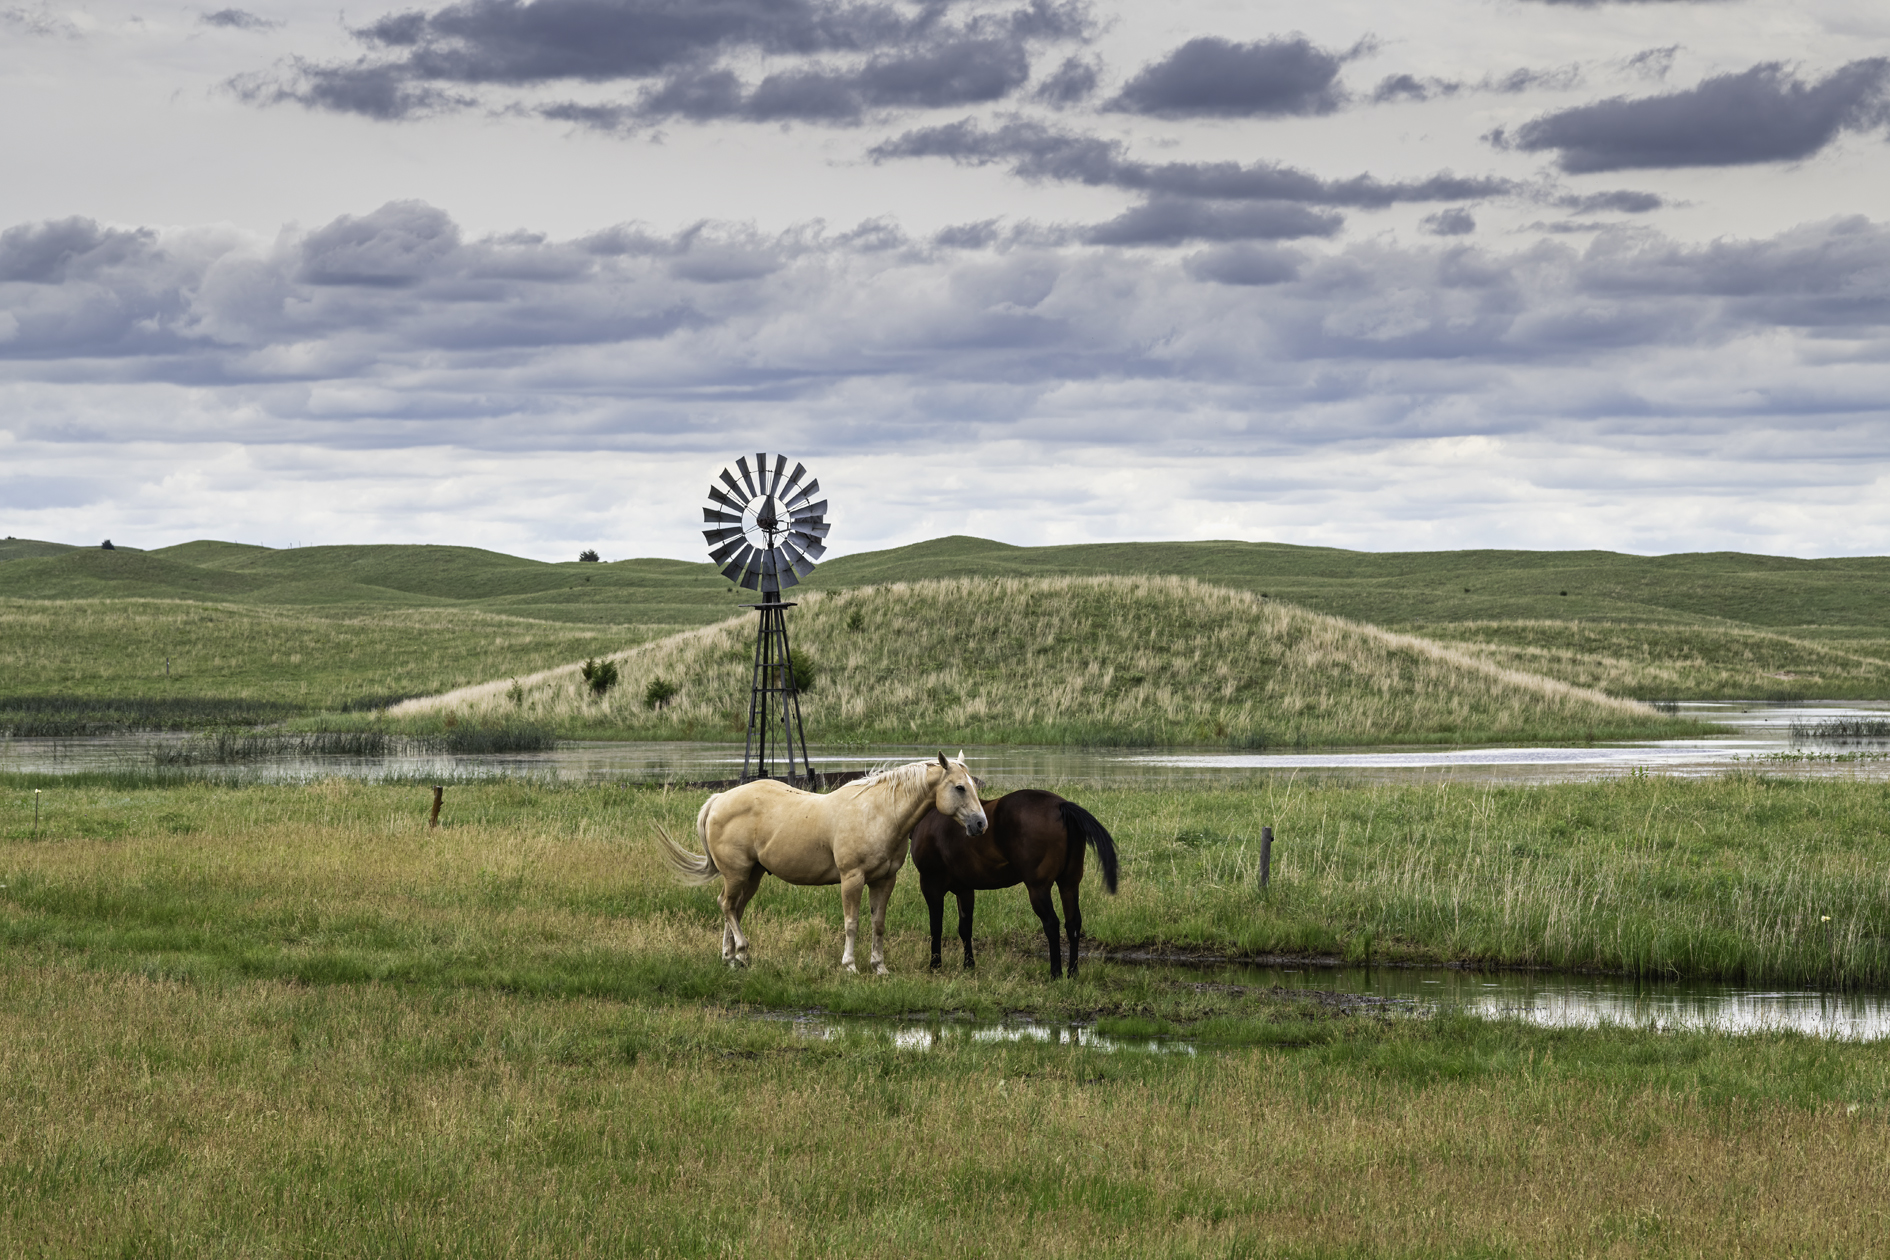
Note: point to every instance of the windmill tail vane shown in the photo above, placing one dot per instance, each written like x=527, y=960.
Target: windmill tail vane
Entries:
x=766, y=529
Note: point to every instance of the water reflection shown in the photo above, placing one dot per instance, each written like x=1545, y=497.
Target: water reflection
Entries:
x=1564, y=1001
x=1762, y=737
x=1551, y=1001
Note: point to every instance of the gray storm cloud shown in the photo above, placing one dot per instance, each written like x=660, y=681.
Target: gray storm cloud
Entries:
x=846, y=59
x=1764, y=114
x=1211, y=77
x=627, y=335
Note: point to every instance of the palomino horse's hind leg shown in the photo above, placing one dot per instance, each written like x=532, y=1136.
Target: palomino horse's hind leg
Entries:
x=850, y=885
x=967, y=902
x=1072, y=917
x=735, y=897
x=877, y=896
x=1040, y=902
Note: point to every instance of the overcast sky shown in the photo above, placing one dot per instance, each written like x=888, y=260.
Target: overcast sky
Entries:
x=1390, y=276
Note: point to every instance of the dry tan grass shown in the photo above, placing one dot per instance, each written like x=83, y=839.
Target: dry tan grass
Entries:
x=148, y=1117
x=1089, y=660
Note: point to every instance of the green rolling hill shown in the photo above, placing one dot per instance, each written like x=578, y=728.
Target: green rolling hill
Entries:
x=315, y=629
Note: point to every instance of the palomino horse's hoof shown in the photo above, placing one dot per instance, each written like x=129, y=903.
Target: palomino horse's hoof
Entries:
x=881, y=970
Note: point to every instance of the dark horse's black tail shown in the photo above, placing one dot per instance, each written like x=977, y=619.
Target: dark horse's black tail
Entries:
x=1081, y=825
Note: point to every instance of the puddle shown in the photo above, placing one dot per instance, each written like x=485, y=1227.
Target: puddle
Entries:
x=1760, y=731
x=1546, y=999
x=1563, y=1001
x=905, y=1035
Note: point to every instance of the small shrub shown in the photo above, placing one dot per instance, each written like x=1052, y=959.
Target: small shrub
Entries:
x=804, y=672
x=659, y=693
x=856, y=621
x=516, y=694
x=107, y=546
x=601, y=676
x=588, y=556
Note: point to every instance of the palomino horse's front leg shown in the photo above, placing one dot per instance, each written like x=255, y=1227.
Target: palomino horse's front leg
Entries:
x=877, y=897
x=850, y=885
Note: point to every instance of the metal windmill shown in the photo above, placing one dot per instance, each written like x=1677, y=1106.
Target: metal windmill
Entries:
x=766, y=529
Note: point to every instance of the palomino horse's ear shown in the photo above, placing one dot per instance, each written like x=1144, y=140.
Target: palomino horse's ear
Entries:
x=941, y=761
x=961, y=756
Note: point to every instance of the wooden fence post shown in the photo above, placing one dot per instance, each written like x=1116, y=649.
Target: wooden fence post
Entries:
x=433, y=819
x=1266, y=855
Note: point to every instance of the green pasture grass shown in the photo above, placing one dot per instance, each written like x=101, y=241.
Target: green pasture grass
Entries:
x=1094, y=661
x=560, y=890
x=151, y=1117
x=69, y=666
x=293, y=1020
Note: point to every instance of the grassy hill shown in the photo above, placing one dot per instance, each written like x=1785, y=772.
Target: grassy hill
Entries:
x=628, y=592
x=1097, y=661
x=314, y=629
x=1442, y=587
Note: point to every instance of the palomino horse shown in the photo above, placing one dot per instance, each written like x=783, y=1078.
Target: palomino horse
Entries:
x=855, y=836
x=1036, y=839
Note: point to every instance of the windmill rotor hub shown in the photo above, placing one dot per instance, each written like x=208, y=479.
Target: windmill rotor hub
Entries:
x=765, y=526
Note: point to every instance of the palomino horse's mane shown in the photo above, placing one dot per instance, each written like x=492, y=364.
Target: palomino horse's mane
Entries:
x=909, y=777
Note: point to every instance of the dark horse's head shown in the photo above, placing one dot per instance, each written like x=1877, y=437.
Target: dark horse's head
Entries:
x=957, y=796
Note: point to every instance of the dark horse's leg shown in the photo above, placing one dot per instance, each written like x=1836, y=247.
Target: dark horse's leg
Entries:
x=967, y=902
x=1040, y=902
x=1067, y=888
x=934, y=891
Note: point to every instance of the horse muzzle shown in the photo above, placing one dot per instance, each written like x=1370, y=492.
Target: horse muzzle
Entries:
x=975, y=825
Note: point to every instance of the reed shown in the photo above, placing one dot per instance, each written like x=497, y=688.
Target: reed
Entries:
x=1095, y=661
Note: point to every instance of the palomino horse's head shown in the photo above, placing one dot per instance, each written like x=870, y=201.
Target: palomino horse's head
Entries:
x=957, y=796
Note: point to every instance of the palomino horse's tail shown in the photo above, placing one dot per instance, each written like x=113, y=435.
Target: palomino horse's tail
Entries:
x=694, y=869
x=1081, y=825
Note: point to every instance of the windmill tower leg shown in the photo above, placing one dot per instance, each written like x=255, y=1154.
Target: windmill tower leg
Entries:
x=774, y=705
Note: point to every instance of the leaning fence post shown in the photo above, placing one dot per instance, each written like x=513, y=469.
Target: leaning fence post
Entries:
x=433, y=819
x=1266, y=855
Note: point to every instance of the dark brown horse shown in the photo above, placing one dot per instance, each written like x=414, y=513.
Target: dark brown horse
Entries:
x=1035, y=839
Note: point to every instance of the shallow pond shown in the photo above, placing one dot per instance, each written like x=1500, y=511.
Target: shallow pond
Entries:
x=1761, y=734
x=1551, y=1000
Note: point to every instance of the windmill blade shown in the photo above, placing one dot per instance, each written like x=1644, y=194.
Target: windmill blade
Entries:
x=801, y=564
x=715, y=516
x=735, y=568
x=730, y=482
x=794, y=479
x=718, y=497
x=812, y=546
x=728, y=548
x=817, y=528
x=811, y=510
x=721, y=535
x=780, y=470
x=808, y=491
x=747, y=477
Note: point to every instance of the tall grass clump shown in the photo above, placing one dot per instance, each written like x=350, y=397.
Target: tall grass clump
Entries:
x=1096, y=661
